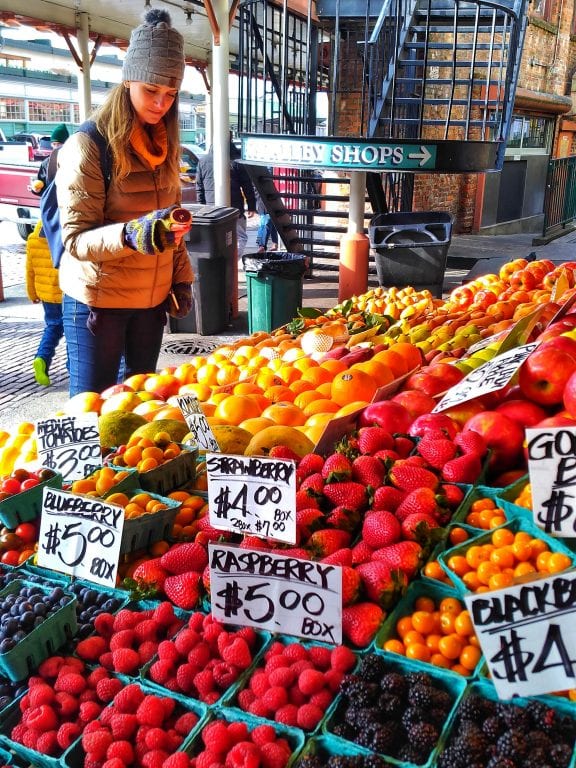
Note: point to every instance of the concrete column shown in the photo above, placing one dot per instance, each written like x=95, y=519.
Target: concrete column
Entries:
x=84, y=87
x=220, y=106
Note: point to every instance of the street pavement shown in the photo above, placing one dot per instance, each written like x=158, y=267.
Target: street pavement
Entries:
x=21, y=322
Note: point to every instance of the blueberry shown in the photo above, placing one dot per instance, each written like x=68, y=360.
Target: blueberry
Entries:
x=6, y=645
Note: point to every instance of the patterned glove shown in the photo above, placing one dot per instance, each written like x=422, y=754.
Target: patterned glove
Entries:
x=182, y=292
x=150, y=234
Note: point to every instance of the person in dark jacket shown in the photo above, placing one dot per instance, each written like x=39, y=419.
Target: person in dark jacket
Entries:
x=242, y=195
x=47, y=169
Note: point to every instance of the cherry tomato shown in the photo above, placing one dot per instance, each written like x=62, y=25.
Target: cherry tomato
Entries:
x=30, y=483
x=11, y=485
x=26, y=532
x=10, y=557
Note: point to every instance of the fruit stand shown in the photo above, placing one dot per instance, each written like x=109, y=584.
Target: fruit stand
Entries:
x=414, y=456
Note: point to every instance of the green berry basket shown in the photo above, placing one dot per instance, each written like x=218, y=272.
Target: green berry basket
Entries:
x=6, y=758
x=453, y=685
x=43, y=641
x=175, y=474
x=325, y=747
x=26, y=505
x=22, y=756
x=497, y=495
x=140, y=532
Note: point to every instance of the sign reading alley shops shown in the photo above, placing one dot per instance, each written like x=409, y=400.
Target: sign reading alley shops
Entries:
x=345, y=154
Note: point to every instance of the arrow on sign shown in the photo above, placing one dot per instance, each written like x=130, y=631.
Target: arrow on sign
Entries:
x=423, y=155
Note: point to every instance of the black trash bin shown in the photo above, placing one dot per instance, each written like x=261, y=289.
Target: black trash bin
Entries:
x=274, y=286
x=412, y=248
x=211, y=245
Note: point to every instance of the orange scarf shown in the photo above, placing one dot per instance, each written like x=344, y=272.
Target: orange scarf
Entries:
x=151, y=144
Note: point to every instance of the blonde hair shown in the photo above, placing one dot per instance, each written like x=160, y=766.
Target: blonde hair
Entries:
x=115, y=119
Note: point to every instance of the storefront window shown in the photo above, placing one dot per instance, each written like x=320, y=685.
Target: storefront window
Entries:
x=11, y=109
x=542, y=9
x=531, y=133
x=49, y=111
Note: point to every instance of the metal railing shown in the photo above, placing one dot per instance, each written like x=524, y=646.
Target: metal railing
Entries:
x=560, y=196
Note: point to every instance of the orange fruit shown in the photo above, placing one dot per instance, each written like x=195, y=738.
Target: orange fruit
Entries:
x=236, y=408
x=286, y=414
x=247, y=388
x=393, y=360
x=356, y=405
x=394, y=646
x=279, y=393
x=458, y=535
x=433, y=570
x=300, y=386
x=450, y=605
x=320, y=406
x=351, y=385
x=318, y=420
x=207, y=374
x=463, y=624
x=440, y=661
x=502, y=537
x=424, y=603
x=451, y=646
x=458, y=564
x=334, y=366
x=418, y=651
x=254, y=425
x=423, y=622
x=228, y=373
x=305, y=398
x=558, y=561
x=410, y=353
x=403, y=626
x=317, y=376
x=304, y=363
x=380, y=372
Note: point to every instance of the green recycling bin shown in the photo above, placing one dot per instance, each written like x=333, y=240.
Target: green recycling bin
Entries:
x=274, y=284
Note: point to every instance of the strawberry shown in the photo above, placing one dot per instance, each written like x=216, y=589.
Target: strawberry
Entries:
x=405, y=556
x=372, y=439
x=190, y=556
x=387, y=497
x=351, y=584
x=340, y=557
x=379, y=582
x=437, y=452
x=361, y=552
x=343, y=518
x=151, y=572
x=305, y=499
x=254, y=542
x=403, y=445
x=184, y=589
x=381, y=528
x=464, y=469
x=407, y=477
x=368, y=470
x=326, y=542
x=283, y=452
x=349, y=494
x=453, y=494
x=471, y=442
x=337, y=468
x=308, y=520
x=419, y=500
x=417, y=525
x=310, y=463
x=313, y=484
x=387, y=455
x=360, y=623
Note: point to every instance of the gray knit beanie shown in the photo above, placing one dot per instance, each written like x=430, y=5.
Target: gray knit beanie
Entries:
x=156, y=52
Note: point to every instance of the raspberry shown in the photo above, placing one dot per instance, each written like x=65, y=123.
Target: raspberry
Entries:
x=238, y=731
x=259, y=683
x=123, y=726
x=320, y=656
x=66, y=705
x=238, y=653
x=151, y=711
x=276, y=649
x=92, y=648
x=106, y=660
x=248, y=634
x=126, y=619
x=276, y=662
x=96, y=675
x=274, y=698
x=155, y=758
x=288, y=715
x=211, y=698
x=283, y=676
x=211, y=633
x=216, y=737
x=311, y=681
x=196, y=621
x=245, y=699
x=185, y=723
x=333, y=678
x=163, y=614
x=295, y=652
x=88, y=695
x=71, y=682
x=177, y=760
x=274, y=755
x=263, y=734
x=67, y=733
x=40, y=694
x=223, y=641
x=129, y=698
x=29, y=738
x=123, y=639
x=17, y=733
x=103, y=624
x=146, y=630
x=224, y=674
x=342, y=658
x=161, y=671
x=105, y=716
x=147, y=651
x=208, y=759
x=107, y=688
x=42, y=718
x=167, y=651
x=125, y=660
x=299, y=666
x=89, y=710
x=243, y=755
x=258, y=708
x=97, y=743
x=200, y=654
x=121, y=750
x=204, y=682
x=322, y=699
x=185, y=641
x=50, y=667
x=47, y=743
x=185, y=674
x=309, y=716
x=169, y=705
x=113, y=762
x=296, y=696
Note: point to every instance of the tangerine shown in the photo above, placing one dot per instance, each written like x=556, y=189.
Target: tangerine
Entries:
x=286, y=414
x=351, y=385
x=410, y=353
x=393, y=360
x=236, y=408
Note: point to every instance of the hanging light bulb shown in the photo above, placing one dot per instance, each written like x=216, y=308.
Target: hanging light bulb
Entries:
x=189, y=17
x=147, y=3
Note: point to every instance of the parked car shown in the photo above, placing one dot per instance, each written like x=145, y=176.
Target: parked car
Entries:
x=188, y=166
x=41, y=145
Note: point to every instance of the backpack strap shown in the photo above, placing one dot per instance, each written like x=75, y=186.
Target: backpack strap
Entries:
x=52, y=165
x=89, y=127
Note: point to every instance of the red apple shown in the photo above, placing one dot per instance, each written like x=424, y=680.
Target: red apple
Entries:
x=463, y=411
x=439, y=421
x=115, y=389
x=566, y=323
x=569, y=395
x=543, y=375
x=562, y=419
x=449, y=374
x=525, y=412
x=425, y=382
x=504, y=437
x=414, y=401
x=565, y=343
x=386, y=414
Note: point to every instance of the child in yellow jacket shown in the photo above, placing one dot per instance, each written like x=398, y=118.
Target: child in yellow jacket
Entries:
x=42, y=285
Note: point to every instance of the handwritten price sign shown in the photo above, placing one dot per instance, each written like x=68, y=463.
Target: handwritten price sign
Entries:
x=552, y=469
x=527, y=635
x=252, y=495
x=81, y=536
x=69, y=445
x=197, y=422
x=281, y=594
x=489, y=377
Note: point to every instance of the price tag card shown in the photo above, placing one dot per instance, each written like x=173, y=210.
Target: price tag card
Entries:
x=69, y=445
x=489, y=377
x=252, y=495
x=277, y=593
x=552, y=470
x=80, y=535
x=527, y=635
x=197, y=422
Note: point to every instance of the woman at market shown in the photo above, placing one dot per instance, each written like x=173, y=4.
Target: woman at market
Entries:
x=125, y=264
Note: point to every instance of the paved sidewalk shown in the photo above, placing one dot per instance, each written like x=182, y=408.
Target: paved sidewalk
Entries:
x=21, y=322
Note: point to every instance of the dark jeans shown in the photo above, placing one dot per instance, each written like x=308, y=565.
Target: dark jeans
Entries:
x=266, y=230
x=53, y=331
x=98, y=339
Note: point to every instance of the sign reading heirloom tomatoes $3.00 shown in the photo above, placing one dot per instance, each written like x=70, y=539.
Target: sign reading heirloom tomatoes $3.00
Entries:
x=281, y=594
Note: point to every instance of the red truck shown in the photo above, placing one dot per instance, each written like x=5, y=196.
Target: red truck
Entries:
x=17, y=171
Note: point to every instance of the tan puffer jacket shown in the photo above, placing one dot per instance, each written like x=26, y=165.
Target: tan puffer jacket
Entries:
x=97, y=269
x=41, y=276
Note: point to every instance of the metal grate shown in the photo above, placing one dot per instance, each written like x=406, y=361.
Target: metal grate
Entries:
x=194, y=347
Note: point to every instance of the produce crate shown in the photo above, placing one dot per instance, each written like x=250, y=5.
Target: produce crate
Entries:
x=47, y=575
x=26, y=505
x=517, y=524
x=23, y=755
x=406, y=607
x=325, y=746
x=127, y=484
x=173, y=475
x=42, y=642
x=6, y=758
x=140, y=532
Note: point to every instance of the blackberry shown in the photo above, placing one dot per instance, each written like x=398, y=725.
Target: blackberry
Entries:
x=415, y=678
x=537, y=758
x=389, y=704
x=493, y=728
x=512, y=744
x=476, y=743
x=344, y=730
x=560, y=755
x=501, y=762
x=394, y=683
x=339, y=761
x=437, y=716
x=373, y=761
x=366, y=717
x=537, y=711
x=420, y=696
x=385, y=737
x=411, y=717
x=538, y=740
x=474, y=708
x=361, y=693
x=442, y=699
x=451, y=757
x=423, y=736
x=410, y=754
x=372, y=668
x=310, y=761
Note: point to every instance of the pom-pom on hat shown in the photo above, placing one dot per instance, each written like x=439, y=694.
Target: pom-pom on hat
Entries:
x=59, y=134
x=156, y=52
